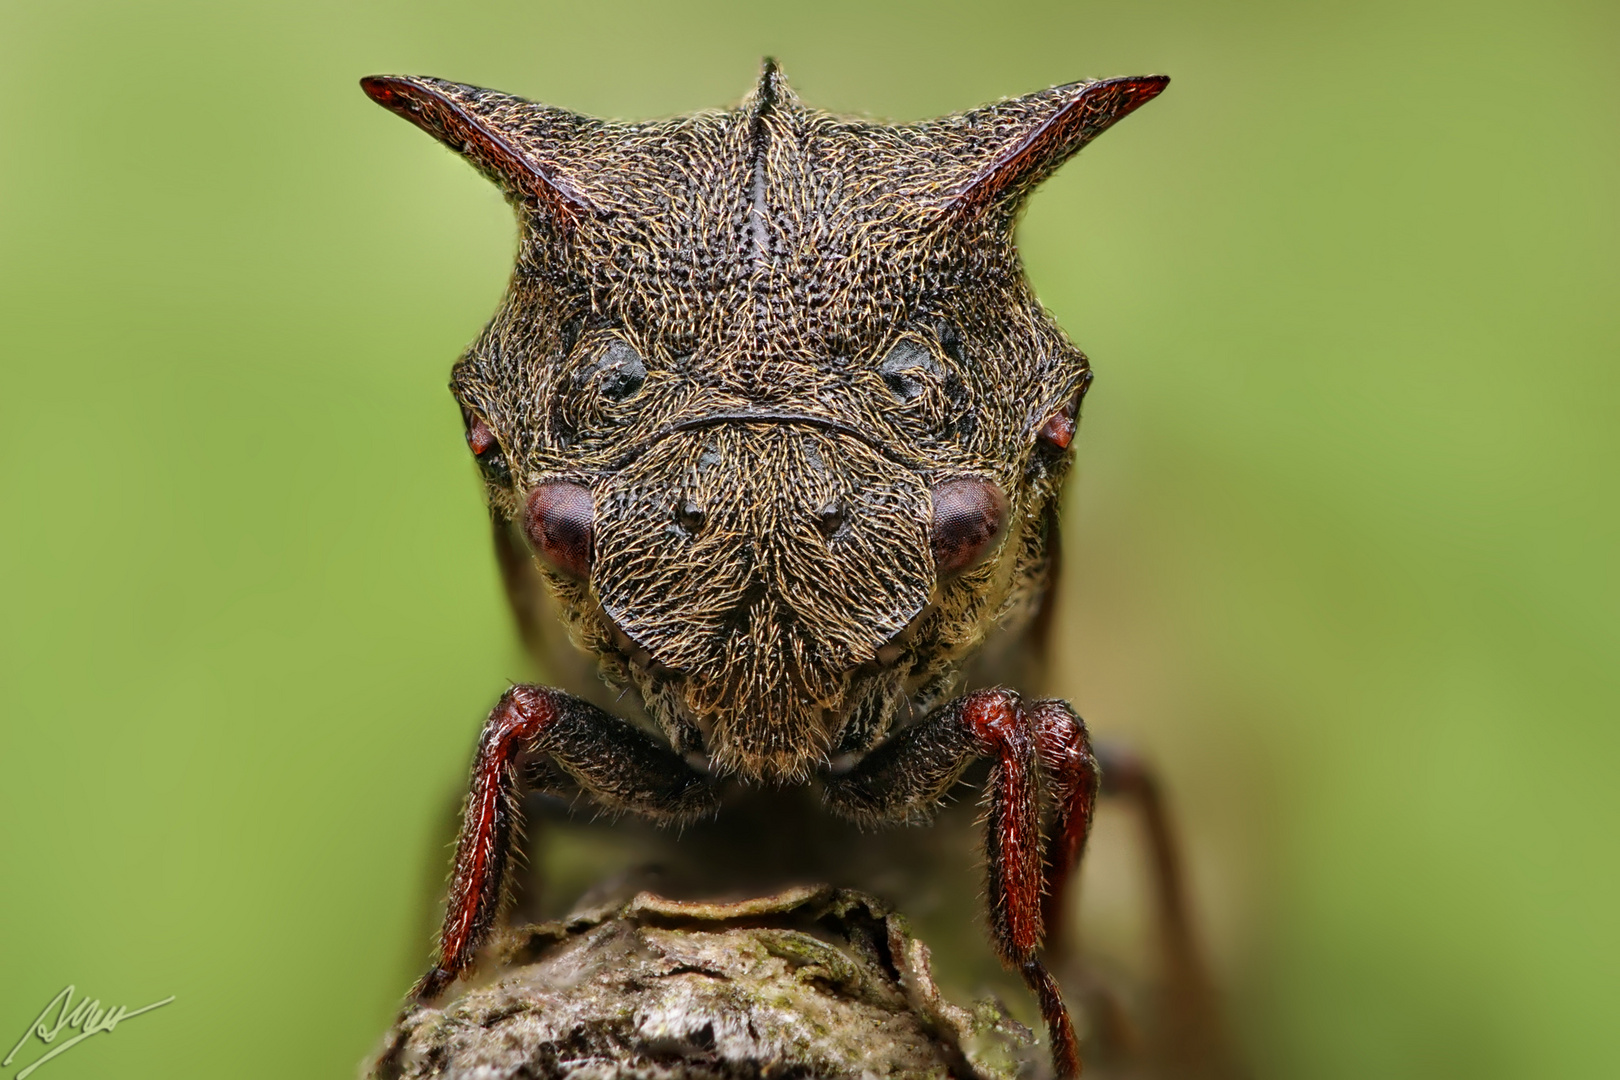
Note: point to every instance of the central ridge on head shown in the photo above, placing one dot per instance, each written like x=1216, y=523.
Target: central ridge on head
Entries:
x=771, y=87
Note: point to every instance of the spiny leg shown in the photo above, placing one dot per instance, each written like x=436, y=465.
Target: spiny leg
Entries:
x=621, y=766
x=907, y=777
x=1071, y=773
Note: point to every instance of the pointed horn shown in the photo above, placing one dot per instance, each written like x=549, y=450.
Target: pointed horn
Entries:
x=491, y=130
x=1038, y=133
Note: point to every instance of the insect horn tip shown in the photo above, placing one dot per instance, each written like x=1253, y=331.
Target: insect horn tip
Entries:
x=382, y=89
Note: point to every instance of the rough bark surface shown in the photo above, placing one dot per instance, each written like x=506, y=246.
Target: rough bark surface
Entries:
x=810, y=982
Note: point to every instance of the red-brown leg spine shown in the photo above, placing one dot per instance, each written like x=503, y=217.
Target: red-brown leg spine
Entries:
x=476, y=886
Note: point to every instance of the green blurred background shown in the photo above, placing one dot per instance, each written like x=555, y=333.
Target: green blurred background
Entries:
x=1342, y=540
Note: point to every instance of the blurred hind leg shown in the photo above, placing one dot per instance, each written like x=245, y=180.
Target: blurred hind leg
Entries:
x=1190, y=1037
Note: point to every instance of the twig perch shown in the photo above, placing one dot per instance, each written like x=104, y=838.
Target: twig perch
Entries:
x=812, y=981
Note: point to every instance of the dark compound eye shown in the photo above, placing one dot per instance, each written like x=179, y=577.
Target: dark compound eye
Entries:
x=969, y=518
x=560, y=522
x=907, y=369
x=618, y=372
x=491, y=461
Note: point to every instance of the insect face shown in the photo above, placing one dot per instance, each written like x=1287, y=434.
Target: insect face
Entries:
x=754, y=568
x=770, y=400
x=783, y=426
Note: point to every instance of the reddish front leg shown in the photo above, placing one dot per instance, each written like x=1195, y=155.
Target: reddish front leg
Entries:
x=909, y=775
x=1072, y=780
x=620, y=765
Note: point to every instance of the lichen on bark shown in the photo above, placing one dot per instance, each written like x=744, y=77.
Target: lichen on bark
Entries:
x=809, y=982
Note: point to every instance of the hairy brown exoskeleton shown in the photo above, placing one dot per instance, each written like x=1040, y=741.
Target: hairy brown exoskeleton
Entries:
x=772, y=420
